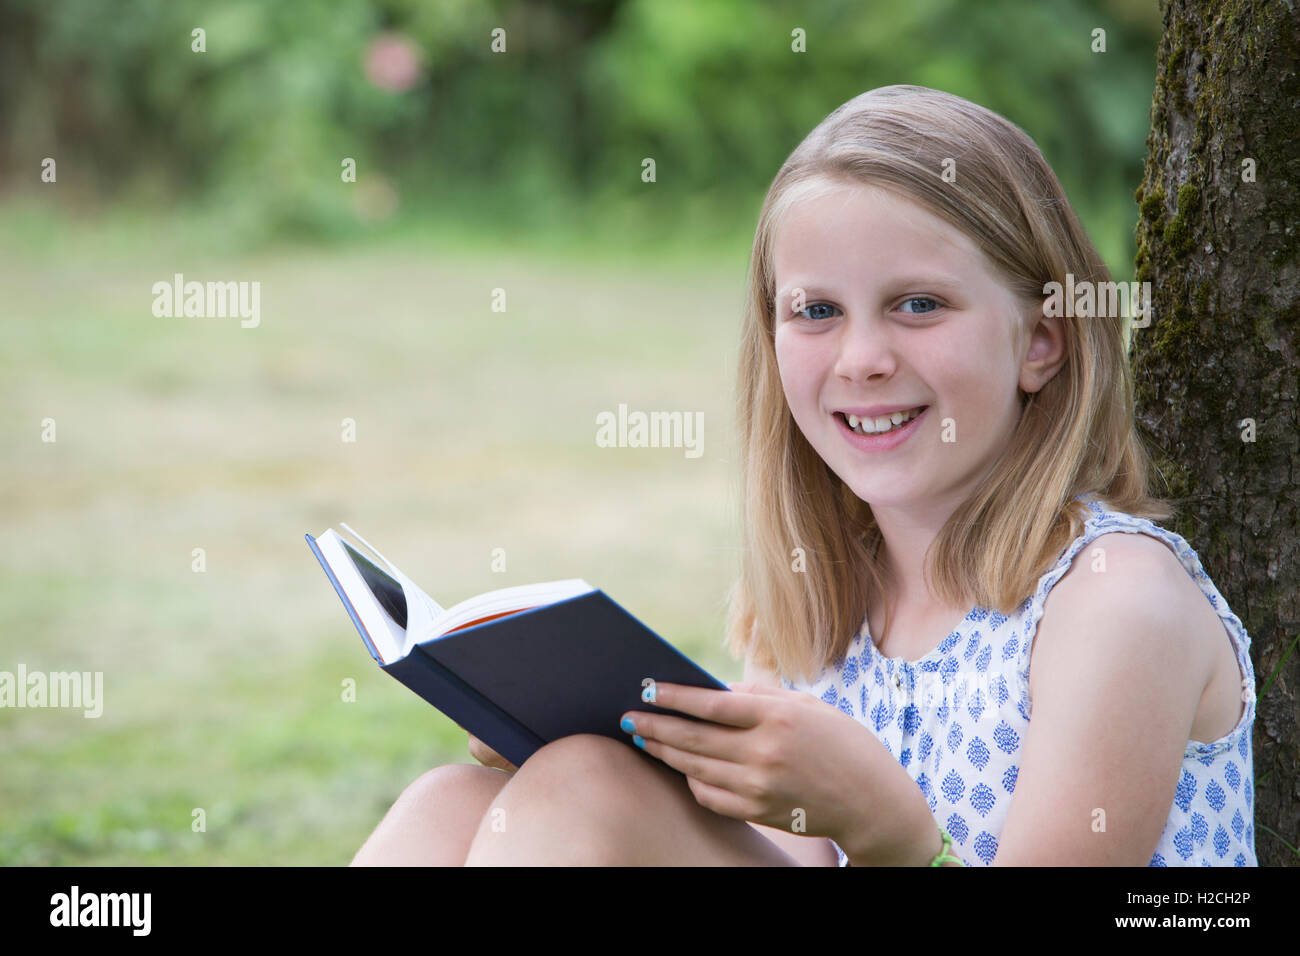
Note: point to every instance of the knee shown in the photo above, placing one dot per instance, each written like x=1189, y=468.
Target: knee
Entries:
x=570, y=804
x=589, y=768
x=453, y=783
x=593, y=754
x=432, y=819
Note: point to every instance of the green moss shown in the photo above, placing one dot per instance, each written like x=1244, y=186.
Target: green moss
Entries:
x=1177, y=233
x=1177, y=332
x=1176, y=479
x=1179, y=328
x=1177, y=236
x=1153, y=206
x=1143, y=262
x=1202, y=300
x=1172, y=218
x=1173, y=67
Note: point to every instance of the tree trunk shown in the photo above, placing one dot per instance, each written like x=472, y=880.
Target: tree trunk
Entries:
x=1216, y=369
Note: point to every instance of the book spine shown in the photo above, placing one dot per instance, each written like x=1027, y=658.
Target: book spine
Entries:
x=467, y=707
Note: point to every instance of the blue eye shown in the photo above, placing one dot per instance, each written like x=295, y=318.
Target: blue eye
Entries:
x=922, y=298
x=817, y=305
x=934, y=304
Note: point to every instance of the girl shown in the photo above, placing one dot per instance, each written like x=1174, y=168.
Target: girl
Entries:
x=947, y=529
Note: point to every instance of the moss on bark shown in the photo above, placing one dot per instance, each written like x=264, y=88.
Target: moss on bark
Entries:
x=1220, y=251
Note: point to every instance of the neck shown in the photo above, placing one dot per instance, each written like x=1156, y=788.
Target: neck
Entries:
x=907, y=533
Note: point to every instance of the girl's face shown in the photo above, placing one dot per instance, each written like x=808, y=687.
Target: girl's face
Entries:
x=900, y=310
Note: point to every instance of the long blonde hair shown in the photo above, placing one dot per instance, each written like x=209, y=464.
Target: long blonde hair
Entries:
x=1075, y=436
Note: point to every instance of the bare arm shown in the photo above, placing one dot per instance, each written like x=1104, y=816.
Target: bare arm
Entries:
x=1116, y=684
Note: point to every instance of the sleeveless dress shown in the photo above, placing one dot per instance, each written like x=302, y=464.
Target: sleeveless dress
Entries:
x=956, y=720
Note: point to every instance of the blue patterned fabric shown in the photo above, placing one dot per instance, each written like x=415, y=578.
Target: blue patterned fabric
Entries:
x=957, y=718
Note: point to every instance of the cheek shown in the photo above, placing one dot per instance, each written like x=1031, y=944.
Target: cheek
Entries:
x=969, y=370
x=794, y=366
x=980, y=389
x=801, y=379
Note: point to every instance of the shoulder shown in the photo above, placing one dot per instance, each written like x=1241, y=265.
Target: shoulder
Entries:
x=1127, y=602
x=1129, y=570
x=1128, y=553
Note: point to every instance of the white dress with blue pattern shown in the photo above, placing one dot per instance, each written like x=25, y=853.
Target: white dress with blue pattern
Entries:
x=957, y=718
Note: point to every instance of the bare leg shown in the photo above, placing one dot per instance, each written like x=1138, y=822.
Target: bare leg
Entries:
x=590, y=800
x=434, y=819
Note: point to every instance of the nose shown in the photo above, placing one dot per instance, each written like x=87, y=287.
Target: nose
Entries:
x=865, y=349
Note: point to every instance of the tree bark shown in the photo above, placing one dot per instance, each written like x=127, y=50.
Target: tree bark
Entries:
x=1220, y=353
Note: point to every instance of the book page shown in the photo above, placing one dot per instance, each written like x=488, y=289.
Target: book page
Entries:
x=384, y=633
x=427, y=620
x=507, y=600
x=421, y=610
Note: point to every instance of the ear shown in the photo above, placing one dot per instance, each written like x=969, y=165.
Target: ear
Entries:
x=1044, y=352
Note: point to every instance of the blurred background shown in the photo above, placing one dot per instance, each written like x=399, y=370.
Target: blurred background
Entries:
x=518, y=170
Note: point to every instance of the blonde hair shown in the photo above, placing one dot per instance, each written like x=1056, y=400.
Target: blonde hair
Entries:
x=1075, y=436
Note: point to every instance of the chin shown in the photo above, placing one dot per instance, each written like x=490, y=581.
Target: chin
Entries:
x=875, y=493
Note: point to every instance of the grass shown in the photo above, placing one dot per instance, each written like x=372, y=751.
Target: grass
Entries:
x=475, y=430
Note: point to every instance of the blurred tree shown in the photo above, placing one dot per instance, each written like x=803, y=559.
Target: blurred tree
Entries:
x=553, y=130
x=1217, y=369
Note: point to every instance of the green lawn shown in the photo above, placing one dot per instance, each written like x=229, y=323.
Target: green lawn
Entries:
x=475, y=430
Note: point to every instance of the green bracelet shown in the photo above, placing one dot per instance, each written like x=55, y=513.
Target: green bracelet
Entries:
x=943, y=855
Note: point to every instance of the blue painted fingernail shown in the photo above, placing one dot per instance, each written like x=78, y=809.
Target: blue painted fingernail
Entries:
x=628, y=725
x=637, y=739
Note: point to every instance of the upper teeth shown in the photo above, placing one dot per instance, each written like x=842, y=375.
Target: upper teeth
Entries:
x=884, y=422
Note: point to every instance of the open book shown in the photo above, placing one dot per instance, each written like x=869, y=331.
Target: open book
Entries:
x=517, y=667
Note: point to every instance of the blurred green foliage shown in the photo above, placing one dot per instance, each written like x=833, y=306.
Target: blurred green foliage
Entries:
x=223, y=689
x=548, y=136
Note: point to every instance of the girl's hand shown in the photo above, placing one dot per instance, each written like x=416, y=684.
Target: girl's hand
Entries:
x=785, y=759
x=487, y=756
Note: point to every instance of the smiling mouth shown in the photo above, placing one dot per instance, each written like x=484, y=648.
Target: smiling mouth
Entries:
x=883, y=424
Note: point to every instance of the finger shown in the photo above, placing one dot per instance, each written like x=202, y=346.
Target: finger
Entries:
x=718, y=773
x=719, y=741
x=487, y=756
x=720, y=801
x=718, y=706
x=501, y=763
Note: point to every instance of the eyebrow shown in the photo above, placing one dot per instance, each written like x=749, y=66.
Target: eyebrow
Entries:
x=918, y=280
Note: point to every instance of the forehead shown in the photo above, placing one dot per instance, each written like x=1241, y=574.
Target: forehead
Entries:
x=845, y=227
